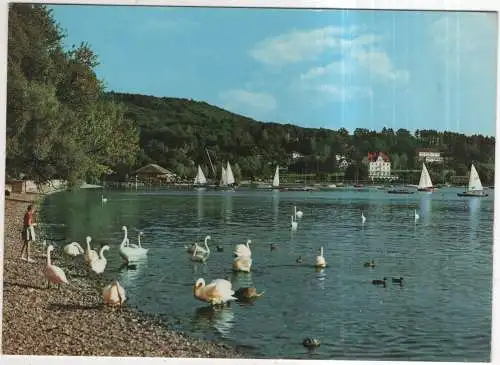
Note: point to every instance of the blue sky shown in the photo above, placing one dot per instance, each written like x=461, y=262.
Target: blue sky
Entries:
x=331, y=69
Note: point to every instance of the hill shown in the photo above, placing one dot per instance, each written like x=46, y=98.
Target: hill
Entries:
x=175, y=132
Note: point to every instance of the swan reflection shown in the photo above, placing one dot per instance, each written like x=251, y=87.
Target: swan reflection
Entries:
x=131, y=271
x=221, y=319
x=241, y=280
x=276, y=205
x=199, y=201
x=320, y=278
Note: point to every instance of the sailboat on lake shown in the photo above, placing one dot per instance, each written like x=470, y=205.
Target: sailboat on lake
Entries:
x=425, y=183
x=227, y=181
x=200, y=181
x=475, y=187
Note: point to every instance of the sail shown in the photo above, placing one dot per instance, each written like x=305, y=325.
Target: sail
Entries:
x=223, y=178
x=197, y=178
x=200, y=177
x=276, y=180
x=474, y=180
x=425, y=179
x=229, y=174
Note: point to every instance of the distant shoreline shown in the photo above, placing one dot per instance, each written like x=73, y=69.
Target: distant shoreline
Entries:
x=72, y=320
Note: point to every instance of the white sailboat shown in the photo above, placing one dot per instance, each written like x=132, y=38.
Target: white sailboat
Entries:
x=223, y=177
x=200, y=180
x=276, y=180
x=229, y=175
x=425, y=183
x=475, y=187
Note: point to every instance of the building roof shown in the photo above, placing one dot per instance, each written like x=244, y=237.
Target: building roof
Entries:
x=373, y=156
x=153, y=169
x=427, y=150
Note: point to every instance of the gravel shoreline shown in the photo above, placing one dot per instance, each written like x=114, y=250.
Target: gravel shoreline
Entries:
x=73, y=320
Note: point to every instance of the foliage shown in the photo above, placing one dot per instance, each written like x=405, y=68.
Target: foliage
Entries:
x=175, y=132
x=58, y=126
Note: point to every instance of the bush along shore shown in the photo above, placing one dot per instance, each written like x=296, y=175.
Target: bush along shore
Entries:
x=72, y=320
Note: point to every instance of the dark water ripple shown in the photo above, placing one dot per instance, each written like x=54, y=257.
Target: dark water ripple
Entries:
x=442, y=312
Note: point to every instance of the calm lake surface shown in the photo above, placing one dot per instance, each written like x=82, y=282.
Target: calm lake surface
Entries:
x=443, y=312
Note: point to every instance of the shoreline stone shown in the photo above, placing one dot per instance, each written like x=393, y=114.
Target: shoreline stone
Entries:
x=72, y=320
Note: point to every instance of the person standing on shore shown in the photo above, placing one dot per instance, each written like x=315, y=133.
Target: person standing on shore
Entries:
x=28, y=232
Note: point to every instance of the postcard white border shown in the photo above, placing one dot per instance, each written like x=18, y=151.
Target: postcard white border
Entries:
x=452, y=5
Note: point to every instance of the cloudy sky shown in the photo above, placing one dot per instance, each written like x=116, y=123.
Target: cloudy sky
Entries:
x=331, y=69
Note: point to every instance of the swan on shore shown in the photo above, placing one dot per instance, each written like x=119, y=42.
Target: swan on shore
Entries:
x=218, y=292
x=243, y=250
x=54, y=274
x=90, y=255
x=99, y=265
x=73, y=249
x=114, y=294
x=320, y=259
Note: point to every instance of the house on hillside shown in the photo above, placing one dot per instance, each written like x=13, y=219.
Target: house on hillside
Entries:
x=153, y=173
x=429, y=155
x=379, y=166
x=342, y=161
x=296, y=155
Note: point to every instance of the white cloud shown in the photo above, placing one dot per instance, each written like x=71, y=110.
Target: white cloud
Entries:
x=298, y=45
x=332, y=92
x=379, y=64
x=338, y=67
x=237, y=99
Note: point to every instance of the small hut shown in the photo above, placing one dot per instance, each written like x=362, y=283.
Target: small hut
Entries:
x=154, y=174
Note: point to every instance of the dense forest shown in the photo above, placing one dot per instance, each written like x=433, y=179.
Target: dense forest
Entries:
x=62, y=124
x=175, y=132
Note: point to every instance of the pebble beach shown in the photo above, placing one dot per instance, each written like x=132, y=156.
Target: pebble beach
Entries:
x=72, y=320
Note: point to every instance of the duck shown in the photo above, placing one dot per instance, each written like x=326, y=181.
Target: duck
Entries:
x=274, y=246
x=311, y=342
x=114, y=294
x=299, y=260
x=320, y=259
x=90, y=255
x=369, y=263
x=54, y=274
x=242, y=263
x=380, y=282
x=398, y=280
x=73, y=249
x=218, y=292
x=243, y=249
x=220, y=248
x=247, y=294
x=99, y=265
x=294, y=224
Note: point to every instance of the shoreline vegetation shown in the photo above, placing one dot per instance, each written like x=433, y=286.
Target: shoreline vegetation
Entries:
x=62, y=123
x=72, y=320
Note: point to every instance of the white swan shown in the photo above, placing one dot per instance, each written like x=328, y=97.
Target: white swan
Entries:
x=73, y=249
x=298, y=213
x=128, y=252
x=114, y=294
x=103, y=199
x=320, y=259
x=99, y=265
x=294, y=224
x=242, y=263
x=363, y=218
x=53, y=273
x=205, y=249
x=90, y=254
x=243, y=249
x=200, y=255
x=218, y=292
x=417, y=217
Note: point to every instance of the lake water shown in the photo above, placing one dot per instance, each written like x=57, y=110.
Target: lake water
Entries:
x=443, y=312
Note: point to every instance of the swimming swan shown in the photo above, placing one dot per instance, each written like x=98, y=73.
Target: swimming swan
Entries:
x=243, y=250
x=217, y=292
x=294, y=224
x=320, y=259
x=242, y=263
x=298, y=213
